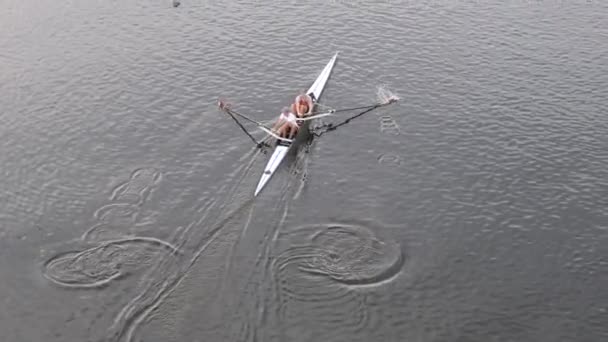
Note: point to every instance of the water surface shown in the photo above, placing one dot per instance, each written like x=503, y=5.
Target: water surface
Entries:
x=473, y=210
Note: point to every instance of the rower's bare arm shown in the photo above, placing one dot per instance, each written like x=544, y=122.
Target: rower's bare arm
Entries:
x=277, y=124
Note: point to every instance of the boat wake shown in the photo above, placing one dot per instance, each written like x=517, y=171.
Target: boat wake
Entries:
x=226, y=277
x=208, y=240
x=118, y=246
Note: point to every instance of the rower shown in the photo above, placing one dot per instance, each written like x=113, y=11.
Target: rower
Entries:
x=286, y=125
x=302, y=106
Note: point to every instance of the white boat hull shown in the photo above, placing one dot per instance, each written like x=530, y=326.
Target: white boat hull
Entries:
x=280, y=151
x=277, y=156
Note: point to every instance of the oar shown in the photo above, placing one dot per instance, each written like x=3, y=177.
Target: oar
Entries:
x=259, y=124
x=331, y=126
x=315, y=116
x=375, y=105
x=246, y=118
x=227, y=110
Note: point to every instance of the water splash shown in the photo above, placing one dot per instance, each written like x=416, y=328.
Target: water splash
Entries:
x=386, y=96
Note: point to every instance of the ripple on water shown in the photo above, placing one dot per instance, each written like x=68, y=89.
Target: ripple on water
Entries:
x=138, y=187
x=119, y=214
x=118, y=218
x=104, y=232
x=389, y=159
x=317, y=277
x=100, y=265
x=353, y=255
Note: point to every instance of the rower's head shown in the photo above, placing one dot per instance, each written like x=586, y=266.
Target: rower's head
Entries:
x=303, y=102
x=302, y=99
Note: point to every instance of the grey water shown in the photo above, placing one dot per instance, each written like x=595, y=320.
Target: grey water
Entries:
x=474, y=209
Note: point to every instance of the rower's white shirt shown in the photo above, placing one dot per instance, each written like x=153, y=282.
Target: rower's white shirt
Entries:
x=290, y=117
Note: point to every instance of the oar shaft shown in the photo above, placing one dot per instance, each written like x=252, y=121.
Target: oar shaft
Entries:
x=368, y=109
x=242, y=127
x=358, y=108
x=351, y=108
x=245, y=117
x=248, y=119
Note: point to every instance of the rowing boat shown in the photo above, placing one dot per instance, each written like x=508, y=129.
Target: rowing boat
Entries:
x=283, y=146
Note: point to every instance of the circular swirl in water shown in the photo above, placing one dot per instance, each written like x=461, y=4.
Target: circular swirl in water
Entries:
x=90, y=268
x=352, y=255
x=100, y=265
